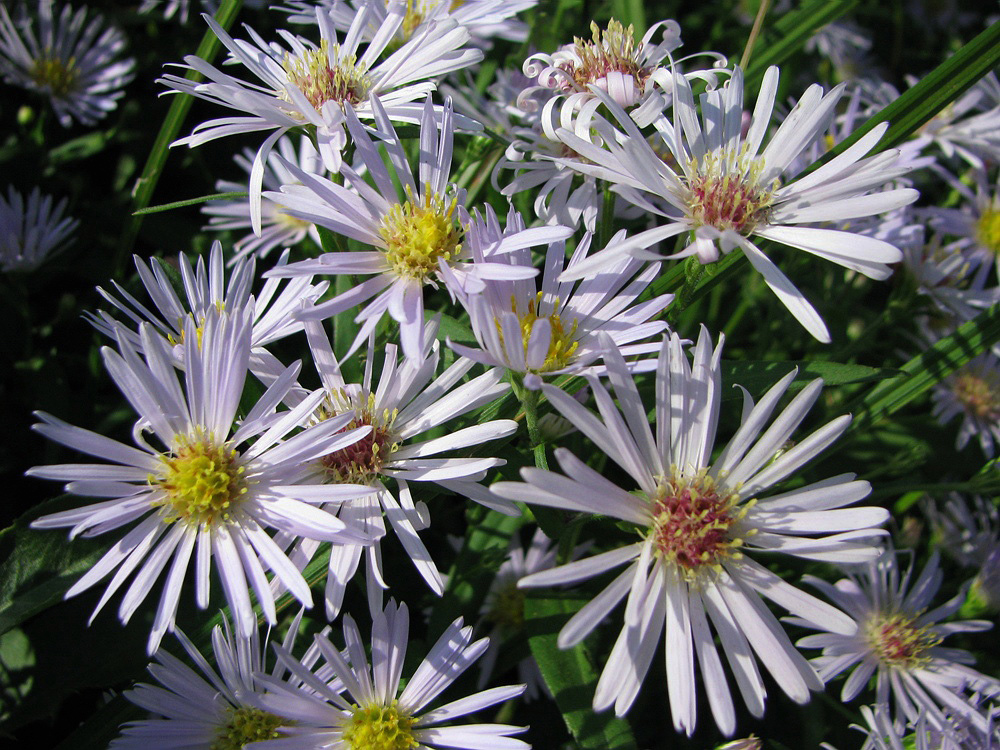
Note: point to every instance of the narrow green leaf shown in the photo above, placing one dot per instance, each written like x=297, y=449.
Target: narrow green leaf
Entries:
x=571, y=676
x=146, y=184
x=758, y=376
x=190, y=202
x=786, y=36
x=929, y=368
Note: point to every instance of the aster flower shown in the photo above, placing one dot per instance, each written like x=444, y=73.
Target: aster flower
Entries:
x=418, y=238
x=631, y=75
x=503, y=608
x=691, y=571
x=309, y=86
x=72, y=62
x=972, y=392
x=375, y=713
x=976, y=224
x=727, y=190
x=485, y=19
x=278, y=229
x=216, y=708
x=208, y=289
x=200, y=493
x=966, y=528
x=846, y=45
x=32, y=230
x=555, y=330
x=405, y=401
x=897, y=641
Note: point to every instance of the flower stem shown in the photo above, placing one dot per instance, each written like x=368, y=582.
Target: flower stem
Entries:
x=754, y=32
x=529, y=402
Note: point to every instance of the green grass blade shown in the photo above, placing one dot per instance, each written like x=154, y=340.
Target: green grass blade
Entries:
x=929, y=368
x=190, y=202
x=146, y=184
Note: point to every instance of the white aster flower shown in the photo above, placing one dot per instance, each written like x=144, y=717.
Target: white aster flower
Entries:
x=309, y=86
x=417, y=237
x=32, y=230
x=376, y=713
x=897, y=642
x=278, y=229
x=632, y=75
x=972, y=392
x=688, y=574
x=976, y=224
x=208, y=290
x=214, y=709
x=72, y=62
x=485, y=19
x=403, y=402
x=966, y=528
x=197, y=491
x=726, y=189
x=503, y=609
x=555, y=330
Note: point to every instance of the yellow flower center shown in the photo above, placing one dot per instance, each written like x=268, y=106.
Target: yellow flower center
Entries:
x=292, y=223
x=562, y=344
x=988, y=230
x=60, y=76
x=691, y=520
x=360, y=462
x=246, y=725
x=979, y=393
x=379, y=728
x=202, y=480
x=897, y=642
x=725, y=191
x=324, y=77
x=418, y=234
x=508, y=606
x=612, y=50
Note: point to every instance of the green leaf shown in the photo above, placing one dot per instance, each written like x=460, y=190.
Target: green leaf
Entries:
x=929, y=368
x=40, y=566
x=190, y=202
x=452, y=328
x=758, y=376
x=788, y=34
x=571, y=676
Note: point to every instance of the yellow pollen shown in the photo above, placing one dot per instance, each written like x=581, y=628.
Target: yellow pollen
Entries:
x=58, y=75
x=898, y=642
x=418, y=234
x=246, y=725
x=202, y=480
x=979, y=393
x=290, y=222
x=377, y=727
x=612, y=50
x=725, y=191
x=988, y=230
x=361, y=462
x=691, y=522
x=322, y=81
x=562, y=344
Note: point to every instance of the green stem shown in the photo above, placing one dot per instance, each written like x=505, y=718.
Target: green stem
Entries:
x=146, y=184
x=754, y=33
x=529, y=402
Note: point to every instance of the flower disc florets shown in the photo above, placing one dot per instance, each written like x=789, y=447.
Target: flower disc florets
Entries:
x=725, y=192
x=507, y=609
x=419, y=233
x=360, y=462
x=203, y=480
x=378, y=727
x=246, y=725
x=57, y=75
x=898, y=642
x=988, y=230
x=322, y=82
x=979, y=393
x=611, y=51
x=562, y=345
x=691, y=520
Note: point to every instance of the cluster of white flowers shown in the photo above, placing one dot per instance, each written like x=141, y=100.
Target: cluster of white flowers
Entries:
x=258, y=478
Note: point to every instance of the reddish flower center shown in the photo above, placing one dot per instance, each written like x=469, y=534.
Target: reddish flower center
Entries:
x=692, y=520
x=725, y=192
x=978, y=393
x=898, y=642
x=362, y=461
